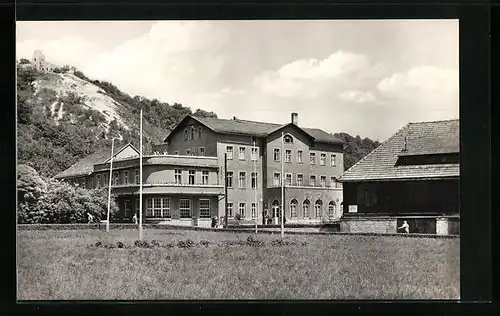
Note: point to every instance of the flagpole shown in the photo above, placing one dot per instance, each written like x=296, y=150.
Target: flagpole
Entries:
x=282, y=186
x=256, y=187
x=110, y=178
x=140, y=183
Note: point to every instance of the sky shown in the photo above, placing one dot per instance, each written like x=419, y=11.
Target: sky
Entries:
x=363, y=77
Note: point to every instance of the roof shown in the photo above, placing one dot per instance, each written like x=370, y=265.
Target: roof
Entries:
x=253, y=128
x=423, y=138
x=85, y=166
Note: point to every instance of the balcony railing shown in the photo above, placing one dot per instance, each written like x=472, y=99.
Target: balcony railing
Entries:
x=161, y=184
x=337, y=185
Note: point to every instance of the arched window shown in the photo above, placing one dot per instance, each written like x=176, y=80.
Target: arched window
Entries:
x=318, y=207
x=332, y=209
x=199, y=131
x=192, y=132
x=305, y=209
x=275, y=208
x=293, y=208
x=186, y=133
x=288, y=139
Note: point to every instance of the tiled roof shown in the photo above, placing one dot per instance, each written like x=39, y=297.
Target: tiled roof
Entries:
x=260, y=129
x=86, y=165
x=424, y=138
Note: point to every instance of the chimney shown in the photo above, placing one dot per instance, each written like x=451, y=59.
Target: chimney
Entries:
x=295, y=118
x=234, y=118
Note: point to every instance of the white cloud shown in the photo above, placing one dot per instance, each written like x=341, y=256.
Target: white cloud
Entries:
x=173, y=61
x=427, y=92
x=357, y=96
x=309, y=78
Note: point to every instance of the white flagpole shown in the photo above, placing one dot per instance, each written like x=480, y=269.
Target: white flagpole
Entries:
x=110, y=178
x=282, y=186
x=256, y=187
x=140, y=183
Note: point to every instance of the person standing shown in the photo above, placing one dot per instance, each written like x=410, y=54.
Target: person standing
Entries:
x=406, y=227
x=134, y=218
x=90, y=218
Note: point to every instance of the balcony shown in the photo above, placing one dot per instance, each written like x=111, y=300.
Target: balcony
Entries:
x=168, y=188
x=337, y=186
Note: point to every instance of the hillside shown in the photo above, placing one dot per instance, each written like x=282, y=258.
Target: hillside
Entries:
x=63, y=117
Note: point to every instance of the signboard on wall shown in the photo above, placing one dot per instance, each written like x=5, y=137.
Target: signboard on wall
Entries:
x=353, y=208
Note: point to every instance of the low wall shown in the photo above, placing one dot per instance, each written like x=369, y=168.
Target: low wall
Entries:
x=288, y=231
x=381, y=225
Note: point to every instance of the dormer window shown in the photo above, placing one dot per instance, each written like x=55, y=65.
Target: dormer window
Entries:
x=288, y=139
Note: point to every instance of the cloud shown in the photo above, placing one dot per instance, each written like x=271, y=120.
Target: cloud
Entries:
x=173, y=61
x=308, y=78
x=423, y=92
x=357, y=96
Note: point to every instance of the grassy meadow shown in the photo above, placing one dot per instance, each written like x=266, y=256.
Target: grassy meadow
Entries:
x=60, y=265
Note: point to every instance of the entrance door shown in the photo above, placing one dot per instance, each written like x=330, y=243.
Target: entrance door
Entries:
x=276, y=211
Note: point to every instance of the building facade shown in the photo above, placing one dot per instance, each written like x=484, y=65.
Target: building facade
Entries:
x=414, y=177
x=312, y=162
x=185, y=181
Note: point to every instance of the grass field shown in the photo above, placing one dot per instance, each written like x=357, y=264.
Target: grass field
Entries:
x=60, y=265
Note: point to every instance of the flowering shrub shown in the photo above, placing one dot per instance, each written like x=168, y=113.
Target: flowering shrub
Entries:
x=50, y=201
x=205, y=243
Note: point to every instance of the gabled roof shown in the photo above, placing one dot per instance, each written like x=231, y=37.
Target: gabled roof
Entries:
x=86, y=165
x=253, y=128
x=423, y=138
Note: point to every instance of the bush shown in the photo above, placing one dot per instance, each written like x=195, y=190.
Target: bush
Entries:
x=53, y=202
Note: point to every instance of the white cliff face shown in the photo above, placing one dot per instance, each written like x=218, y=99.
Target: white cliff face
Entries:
x=93, y=97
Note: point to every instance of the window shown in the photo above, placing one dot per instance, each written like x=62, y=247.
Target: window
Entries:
x=186, y=134
x=241, y=209
x=241, y=180
x=229, y=179
x=125, y=177
x=305, y=209
x=299, y=156
x=312, y=180
x=322, y=181
x=199, y=132
x=136, y=176
x=276, y=154
x=288, y=179
x=241, y=155
x=293, y=208
x=318, y=208
x=158, y=207
x=322, y=159
x=178, y=176
x=185, y=208
x=300, y=179
x=332, y=208
x=254, y=210
x=104, y=179
x=192, y=173
x=276, y=179
x=192, y=132
x=288, y=155
x=201, y=151
x=188, y=152
x=255, y=154
x=230, y=209
x=204, y=208
x=149, y=207
x=254, y=180
x=312, y=158
x=116, y=180
x=333, y=159
x=204, y=177
x=229, y=152
x=288, y=139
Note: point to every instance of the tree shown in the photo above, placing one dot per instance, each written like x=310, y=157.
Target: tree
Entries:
x=24, y=61
x=203, y=113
